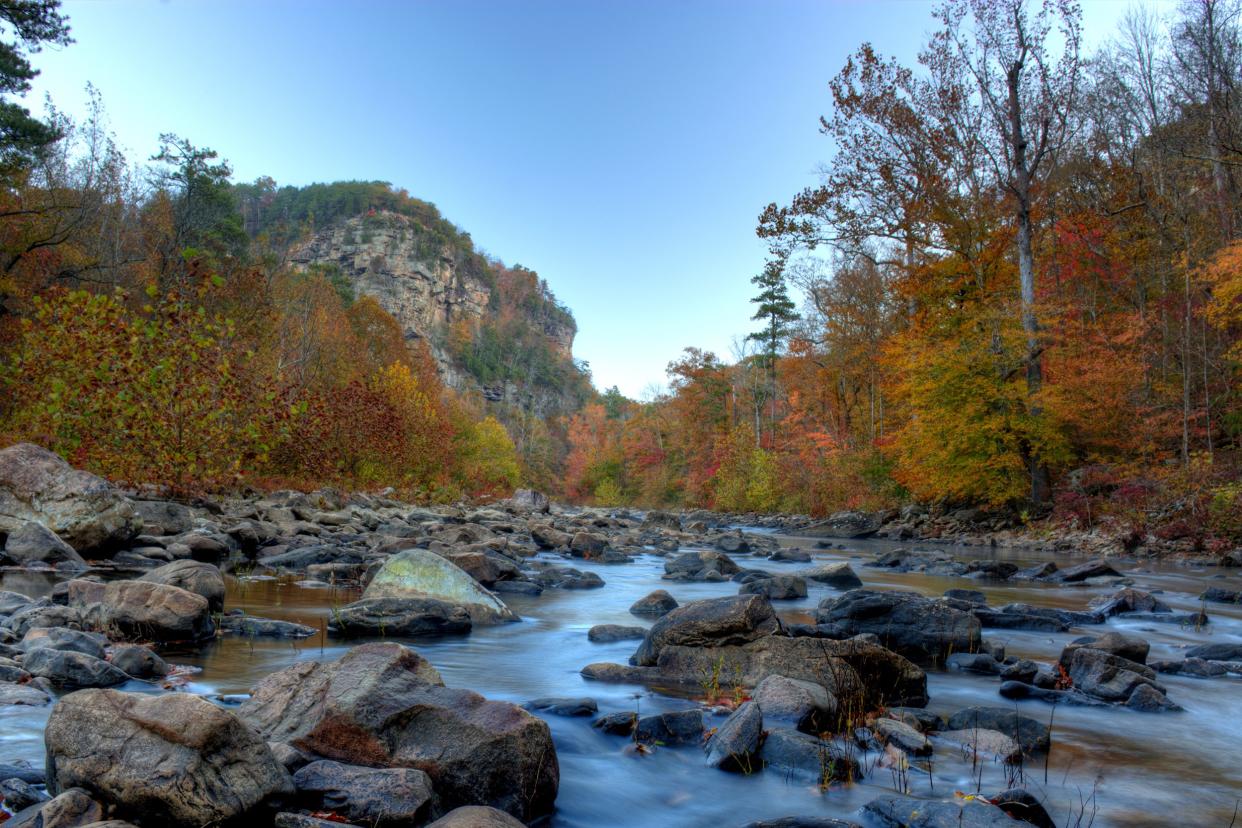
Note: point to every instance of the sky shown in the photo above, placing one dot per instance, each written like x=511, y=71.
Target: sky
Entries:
x=623, y=149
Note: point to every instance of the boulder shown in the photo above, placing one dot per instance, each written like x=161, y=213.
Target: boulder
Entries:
x=1107, y=676
x=476, y=816
x=141, y=610
x=382, y=704
x=66, y=668
x=529, y=500
x=709, y=623
x=703, y=565
x=1220, y=651
x=655, y=603
x=160, y=517
x=588, y=545
x=662, y=520
x=735, y=744
x=378, y=797
x=63, y=638
x=12, y=693
x=558, y=706
x=806, y=758
x=404, y=617
x=1024, y=807
x=919, y=628
x=70, y=809
x=139, y=662
x=18, y=795
x=251, y=626
x=981, y=743
x=418, y=573
x=85, y=511
x=545, y=537
x=1130, y=647
x=775, y=587
x=908, y=812
x=845, y=525
x=32, y=543
x=678, y=727
x=173, y=759
x=604, y=633
x=901, y=735
x=1096, y=568
x=836, y=575
x=803, y=705
x=193, y=576
x=1031, y=735
x=1128, y=600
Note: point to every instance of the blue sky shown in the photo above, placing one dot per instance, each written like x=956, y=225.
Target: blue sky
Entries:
x=621, y=149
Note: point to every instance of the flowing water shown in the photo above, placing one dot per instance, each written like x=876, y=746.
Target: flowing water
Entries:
x=1126, y=768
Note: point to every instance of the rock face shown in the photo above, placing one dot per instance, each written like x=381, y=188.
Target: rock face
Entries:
x=417, y=573
x=428, y=286
x=383, y=705
x=173, y=759
x=85, y=511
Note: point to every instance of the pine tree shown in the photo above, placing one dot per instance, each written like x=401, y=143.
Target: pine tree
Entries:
x=776, y=310
x=30, y=24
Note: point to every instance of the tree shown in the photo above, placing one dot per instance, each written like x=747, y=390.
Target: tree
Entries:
x=776, y=311
x=27, y=26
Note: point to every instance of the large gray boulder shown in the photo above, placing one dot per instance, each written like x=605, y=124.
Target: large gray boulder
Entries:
x=922, y=629
x=418, y=573
x=85, y=511
x=173, y=759
x=384, y=705
x=33, y=544
x=193, y=576
x=145, y=611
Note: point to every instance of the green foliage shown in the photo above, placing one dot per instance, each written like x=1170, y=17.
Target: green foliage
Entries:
x=31, y=24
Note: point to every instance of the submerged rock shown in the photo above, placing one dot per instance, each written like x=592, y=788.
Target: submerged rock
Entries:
x=417, y=573
x=379, y=617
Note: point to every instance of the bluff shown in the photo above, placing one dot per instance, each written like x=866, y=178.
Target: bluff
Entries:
x=493, y=330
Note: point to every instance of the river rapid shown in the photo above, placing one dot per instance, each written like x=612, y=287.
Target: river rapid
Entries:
x=1107, y=766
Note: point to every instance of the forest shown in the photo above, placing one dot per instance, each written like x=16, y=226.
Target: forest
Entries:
x=1020, y=289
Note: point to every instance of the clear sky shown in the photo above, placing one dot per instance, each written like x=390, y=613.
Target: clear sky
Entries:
x=623, y=149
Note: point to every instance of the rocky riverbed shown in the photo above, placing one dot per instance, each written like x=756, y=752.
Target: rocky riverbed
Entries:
x=303, y=659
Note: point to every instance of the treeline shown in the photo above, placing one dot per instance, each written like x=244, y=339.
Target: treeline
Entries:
x=1022, y=277
x=149, y=337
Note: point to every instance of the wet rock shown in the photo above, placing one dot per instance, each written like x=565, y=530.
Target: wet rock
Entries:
x=704, y=565
x=545, y=537
x=806, y=758
x=1147, y=699
x=32, y=544
x=193, y=576
x=43, y=613
x=558, y=706
x=18, y=795
x=617, y=724
x=139, y=662
x=1024, y=671
x=383, y=704
x=27, y=774
x=1024, y=807
x=982, y=663
x=62, y=638
x=1130, y=647
x=70, y=809
x=1097, y=568
x=250, y=626
x=518, y=587
x=418, y=573
x=786, y=554
x=679, y=727
x=602, y=633
x=735, y=744
x=141, y=610
x=903, y=736
x=921, y=720
x=1027, y=617
x=620, y=673
x=845, y=525
x=588, y=545
x=1018, y=690
x=970, y=596
x=1221, y=596
x=160, y=517
x=803, y=705
x=989, y=745
x=379, y=797
x=13, y=693
x=1030, y=734
x=379, y=617
x=66, y=668
x=905, y=622
x=836, y=575
x=908, y=812
x=655, y=603
x=85, y=511
x=1129, y=600
x=707, y=623
x=564, y=577
x=1221, y=651
x=1107, y=676
x=776, y=587
x=175, y=759
x=476, y=816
